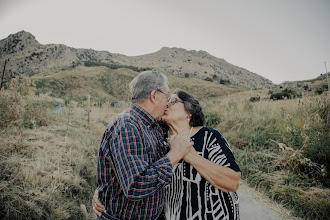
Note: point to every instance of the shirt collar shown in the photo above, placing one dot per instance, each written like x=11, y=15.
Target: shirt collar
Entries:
x=144, y=115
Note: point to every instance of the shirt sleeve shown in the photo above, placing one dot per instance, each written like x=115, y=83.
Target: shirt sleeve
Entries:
x=103, y=167
x=220, y=153
x=138, y=178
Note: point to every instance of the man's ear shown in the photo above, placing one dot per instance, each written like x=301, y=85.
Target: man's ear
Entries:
x=153, y=96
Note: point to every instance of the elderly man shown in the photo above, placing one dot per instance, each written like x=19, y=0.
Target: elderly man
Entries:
x=134, y=164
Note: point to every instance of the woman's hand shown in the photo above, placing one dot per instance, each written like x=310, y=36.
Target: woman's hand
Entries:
x=97, y=206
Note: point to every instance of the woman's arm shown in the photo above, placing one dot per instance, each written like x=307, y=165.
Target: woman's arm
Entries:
x=223, y=178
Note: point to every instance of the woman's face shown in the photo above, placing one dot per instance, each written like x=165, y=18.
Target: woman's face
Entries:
x=175, y=111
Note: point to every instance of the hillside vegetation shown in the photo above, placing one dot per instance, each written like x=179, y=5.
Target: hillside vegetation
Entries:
x=301, y=88
x=111, y=85
x=28, y=56
x=48, y=151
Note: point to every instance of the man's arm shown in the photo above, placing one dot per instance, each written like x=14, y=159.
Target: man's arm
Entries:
x=179, y=146
x=138, y=178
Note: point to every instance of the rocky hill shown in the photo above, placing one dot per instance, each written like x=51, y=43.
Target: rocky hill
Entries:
x=27, y=56
x=199, y=64
x=317, y=86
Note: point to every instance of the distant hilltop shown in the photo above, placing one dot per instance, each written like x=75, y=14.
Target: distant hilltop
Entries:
x=28, y=56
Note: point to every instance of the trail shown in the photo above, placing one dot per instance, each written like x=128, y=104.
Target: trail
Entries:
x=256, y=206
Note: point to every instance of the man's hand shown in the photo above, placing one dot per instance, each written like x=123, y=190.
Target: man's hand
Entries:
x=97, y=206
x=179, y=146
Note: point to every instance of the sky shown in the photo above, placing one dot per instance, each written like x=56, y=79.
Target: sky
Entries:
x=281, y=40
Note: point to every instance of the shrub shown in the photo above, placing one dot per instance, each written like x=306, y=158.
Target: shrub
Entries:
x=19, y=109
x=211, y=117
x=209, y=79
x=67, y=101
x=255, y=99
x=224, y=82
x=115, y=66
x=319, y=90
x=80, y=99
x=286, y=93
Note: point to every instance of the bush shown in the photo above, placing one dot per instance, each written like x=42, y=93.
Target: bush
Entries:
x=224, y=82
x=114, y=66
x=319, y=90
x=80, y=99
x=67, y=101
x=19, y=109
x=286, y=93
x=209, y=79
x=211, y=117
x=255, y=99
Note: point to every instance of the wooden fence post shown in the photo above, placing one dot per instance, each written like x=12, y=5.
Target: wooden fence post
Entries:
x=89, y=106
x=3, y=74
x=326, y=72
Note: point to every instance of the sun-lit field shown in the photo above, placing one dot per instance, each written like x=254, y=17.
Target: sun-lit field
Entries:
x=48, y=150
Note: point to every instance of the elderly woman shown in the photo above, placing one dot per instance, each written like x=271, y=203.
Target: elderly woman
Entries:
x=203, y=183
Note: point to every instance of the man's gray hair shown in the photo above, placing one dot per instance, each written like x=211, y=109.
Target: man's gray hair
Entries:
x=144, y=83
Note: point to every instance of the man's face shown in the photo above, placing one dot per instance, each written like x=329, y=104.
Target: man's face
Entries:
x=164, y=96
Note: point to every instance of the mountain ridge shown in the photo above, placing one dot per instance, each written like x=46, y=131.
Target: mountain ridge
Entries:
x=28, y=56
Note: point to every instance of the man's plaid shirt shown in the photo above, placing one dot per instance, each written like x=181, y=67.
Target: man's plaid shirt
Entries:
x=132, y=187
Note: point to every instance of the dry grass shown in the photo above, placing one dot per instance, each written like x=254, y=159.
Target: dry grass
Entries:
x=282, y=147
x=48, y=169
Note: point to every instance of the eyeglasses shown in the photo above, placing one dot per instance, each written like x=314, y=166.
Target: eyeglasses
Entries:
x=166, y=94
x=174, y=100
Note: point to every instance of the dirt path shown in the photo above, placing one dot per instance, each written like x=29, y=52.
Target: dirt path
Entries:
x=256, y=206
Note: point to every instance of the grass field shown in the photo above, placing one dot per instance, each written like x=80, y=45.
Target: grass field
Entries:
x=282, y=147
x=48, y=154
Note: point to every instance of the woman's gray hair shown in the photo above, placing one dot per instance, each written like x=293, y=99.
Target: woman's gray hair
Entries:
x=144, y=83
